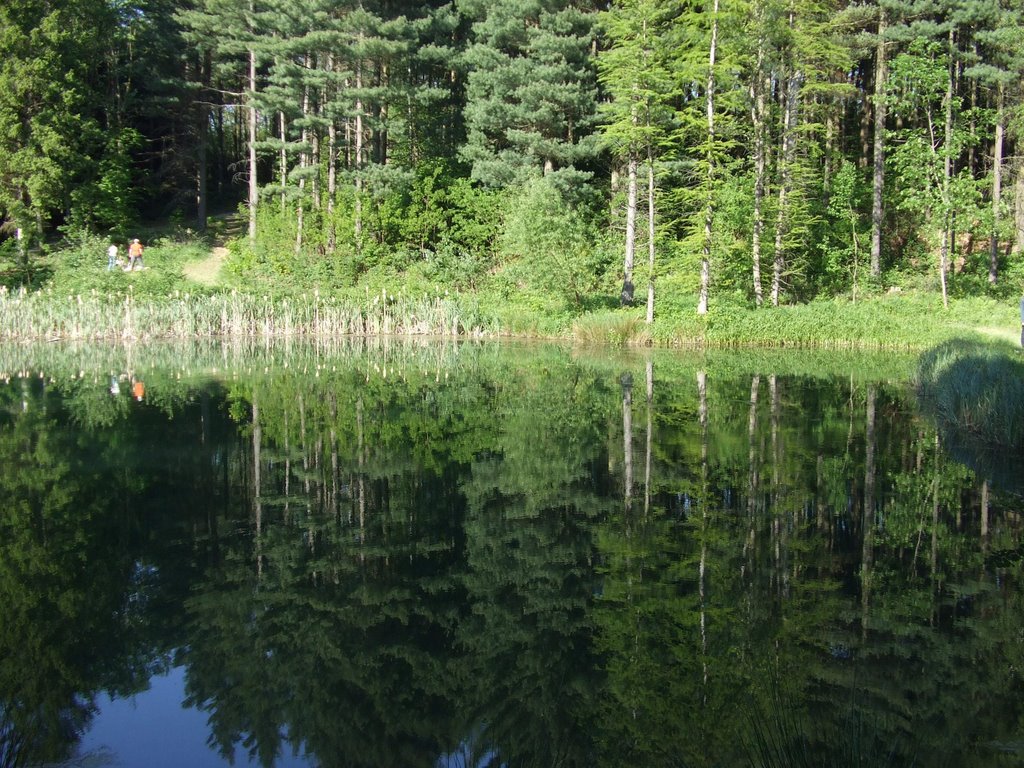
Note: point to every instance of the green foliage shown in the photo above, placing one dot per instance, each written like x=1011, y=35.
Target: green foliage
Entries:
x=845, y=245
x=550, y=248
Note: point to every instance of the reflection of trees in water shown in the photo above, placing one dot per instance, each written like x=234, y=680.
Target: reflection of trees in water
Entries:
x=396, y=570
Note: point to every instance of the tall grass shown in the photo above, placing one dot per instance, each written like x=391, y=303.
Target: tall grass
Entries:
x=910, y=321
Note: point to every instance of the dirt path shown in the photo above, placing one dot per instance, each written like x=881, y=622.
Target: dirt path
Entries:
x=207, y=271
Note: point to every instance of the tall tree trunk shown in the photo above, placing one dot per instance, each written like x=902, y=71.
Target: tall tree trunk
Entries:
x=878, y=172
x=314, y=179
x=709, y=205
x=650, y=236
x=787, y=152
x=947, y=175
x=202, y=140
x=358, y=160
x=282, y=159
x=254, y=187
x=758, y=87
x=997, y=190
x=332, y=164
x=300, y=207
x=626, y=298
x=1018, y=207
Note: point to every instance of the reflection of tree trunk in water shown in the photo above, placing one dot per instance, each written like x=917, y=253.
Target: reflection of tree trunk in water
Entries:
x=935, y=530
x=754, y=485
x=362, y=478
x=820, y=508
x=984, y=516
x=305, y=447
x=211, y=509
x=334, y=456
x=702, y=393
x=779, y=576
x=647, y=451
x=627, y=440
x=287, y=470
x=868, y=533
x=257, y=441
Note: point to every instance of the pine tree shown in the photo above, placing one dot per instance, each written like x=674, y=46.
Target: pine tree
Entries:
x=51, y=108
x=530, y=91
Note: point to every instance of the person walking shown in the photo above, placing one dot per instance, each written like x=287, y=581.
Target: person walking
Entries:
x=135, y=255
x=111, y=257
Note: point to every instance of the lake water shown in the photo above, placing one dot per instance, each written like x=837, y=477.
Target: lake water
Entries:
x=433, y=554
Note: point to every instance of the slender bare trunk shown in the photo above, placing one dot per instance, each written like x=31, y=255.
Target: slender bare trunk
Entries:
x=947, y=174
x=1018, y=207
x=202, y=138
x=626, y=298
x=282, y=159
x=787, y=153
x=757, y=115
x=303, y=163
x=332, y=170
x=254, y=188
x=359, y=150
x=650, y=237
x=997, y=190
x=878, y=174
x=709, y=206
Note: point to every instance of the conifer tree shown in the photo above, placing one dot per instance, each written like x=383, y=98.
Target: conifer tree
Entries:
x=530, y=91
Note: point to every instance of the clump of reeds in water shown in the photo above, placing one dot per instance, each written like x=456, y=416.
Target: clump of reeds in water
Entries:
x=612, y=328
x=975, y=390
x=47, y=315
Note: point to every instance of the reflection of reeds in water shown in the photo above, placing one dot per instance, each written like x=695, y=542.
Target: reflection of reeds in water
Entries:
x=47, y=315
x=376, y=357
x=780, y=737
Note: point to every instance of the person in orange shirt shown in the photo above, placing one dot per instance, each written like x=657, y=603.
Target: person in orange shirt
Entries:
x=139, y=390
x=135, y=254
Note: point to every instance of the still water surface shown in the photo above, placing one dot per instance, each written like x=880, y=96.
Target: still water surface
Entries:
x=444, y=555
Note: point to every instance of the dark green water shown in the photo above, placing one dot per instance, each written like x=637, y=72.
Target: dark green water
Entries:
x=484, y=556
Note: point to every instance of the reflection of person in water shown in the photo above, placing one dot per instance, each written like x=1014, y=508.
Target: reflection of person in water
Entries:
x=138, y=390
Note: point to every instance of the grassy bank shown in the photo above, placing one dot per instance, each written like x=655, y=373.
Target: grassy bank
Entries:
x=907, y=322
x=80, y=300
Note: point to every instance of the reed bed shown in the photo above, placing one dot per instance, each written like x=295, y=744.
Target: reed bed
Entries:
x=48, y=315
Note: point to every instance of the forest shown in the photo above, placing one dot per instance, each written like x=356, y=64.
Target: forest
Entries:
x=562, y=153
